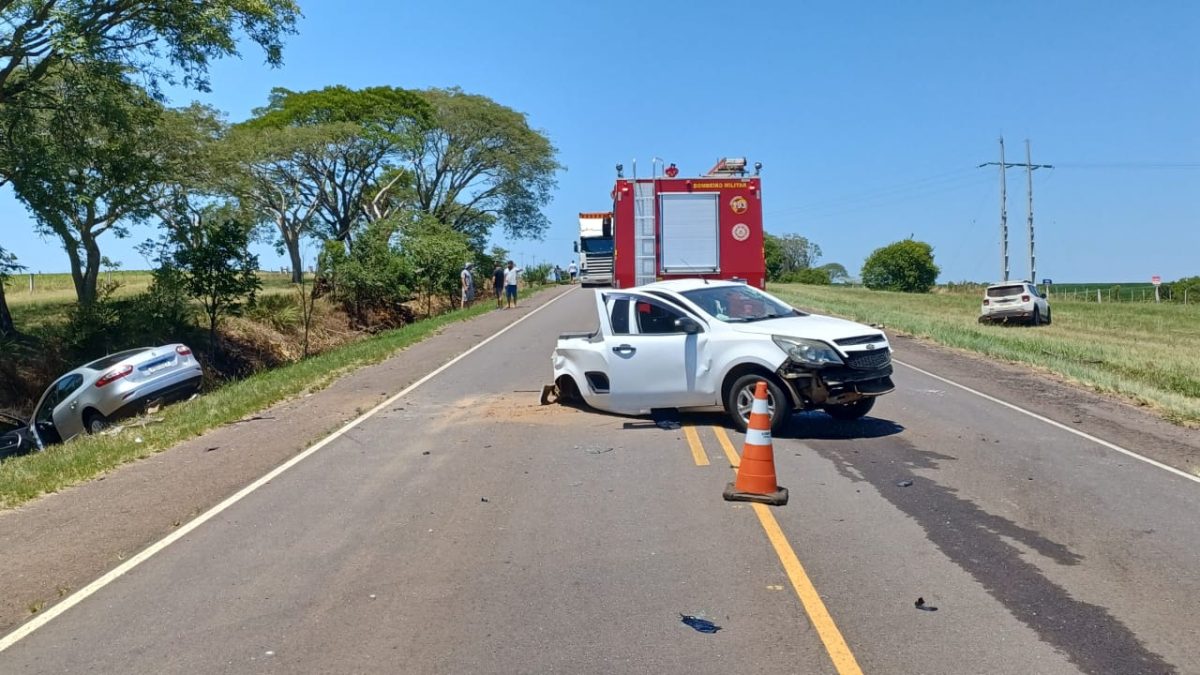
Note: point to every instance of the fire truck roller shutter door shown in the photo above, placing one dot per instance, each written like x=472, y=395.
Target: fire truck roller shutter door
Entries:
x=690, y=233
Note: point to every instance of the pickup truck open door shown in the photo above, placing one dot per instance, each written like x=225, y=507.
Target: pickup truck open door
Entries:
x=655, y=353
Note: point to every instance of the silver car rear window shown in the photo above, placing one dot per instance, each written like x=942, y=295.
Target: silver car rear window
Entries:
x=113, y=359
x=1004, y=291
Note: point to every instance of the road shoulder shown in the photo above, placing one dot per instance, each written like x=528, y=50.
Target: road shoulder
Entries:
x=1107, y=417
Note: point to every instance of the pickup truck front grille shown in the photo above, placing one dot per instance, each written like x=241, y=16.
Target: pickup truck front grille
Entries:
x=876, y=358
x=860, y=340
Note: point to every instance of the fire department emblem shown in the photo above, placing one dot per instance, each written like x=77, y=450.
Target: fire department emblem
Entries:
x=738, y=204
x=741, y=231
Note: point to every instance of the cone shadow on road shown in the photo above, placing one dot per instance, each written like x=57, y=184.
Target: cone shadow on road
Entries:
x=806, y=426
x=977, y=542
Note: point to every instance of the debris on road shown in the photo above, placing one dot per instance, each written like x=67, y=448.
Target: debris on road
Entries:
x=425, y=453
x=920, y=604
x=667, y=418
x=698, y=624
x=904, y=483
x=483, y=499
x=593, y=449
x=550, y=394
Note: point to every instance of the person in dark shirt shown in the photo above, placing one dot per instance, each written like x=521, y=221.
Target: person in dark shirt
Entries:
x=498, y=285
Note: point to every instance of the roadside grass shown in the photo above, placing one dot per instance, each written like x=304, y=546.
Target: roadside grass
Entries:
x=27, y=477
x=1148, y=353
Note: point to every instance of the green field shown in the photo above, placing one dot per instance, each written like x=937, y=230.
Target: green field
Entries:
x=1148, y=353
x=53, y=294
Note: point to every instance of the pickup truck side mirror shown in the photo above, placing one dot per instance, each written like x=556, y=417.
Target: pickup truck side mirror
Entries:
x=687, y=325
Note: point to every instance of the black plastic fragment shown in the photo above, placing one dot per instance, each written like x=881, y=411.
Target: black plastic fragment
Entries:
x=698, y=624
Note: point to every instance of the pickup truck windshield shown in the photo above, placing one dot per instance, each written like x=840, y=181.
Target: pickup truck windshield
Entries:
x=598, y=246
x=739, y=304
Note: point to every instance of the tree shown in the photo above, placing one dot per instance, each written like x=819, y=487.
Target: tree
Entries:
x=480, y=164
x=836, y=271
x=192, y=182
x=903, y=266
x=91, y=163
x=216, y=267
x=262, y=168
x=152, y=38
x=8, y=265
x=362, y=134
x=798, y=252
x=436, y=253
x=773, y=256
x=371, y=279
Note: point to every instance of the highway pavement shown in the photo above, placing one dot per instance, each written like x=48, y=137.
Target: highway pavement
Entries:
x=464, y=528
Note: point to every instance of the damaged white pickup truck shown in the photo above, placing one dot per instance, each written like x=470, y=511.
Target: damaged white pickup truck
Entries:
x=692, y=344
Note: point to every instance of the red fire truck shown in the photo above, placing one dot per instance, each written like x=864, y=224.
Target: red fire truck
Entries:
x=669, y=226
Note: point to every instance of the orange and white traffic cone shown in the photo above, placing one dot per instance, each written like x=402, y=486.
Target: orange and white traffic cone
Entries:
x=755, y=480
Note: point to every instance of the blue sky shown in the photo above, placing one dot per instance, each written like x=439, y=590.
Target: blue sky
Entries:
x=869, y=118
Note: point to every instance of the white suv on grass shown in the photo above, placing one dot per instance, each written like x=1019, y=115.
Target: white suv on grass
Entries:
x=1014, y=301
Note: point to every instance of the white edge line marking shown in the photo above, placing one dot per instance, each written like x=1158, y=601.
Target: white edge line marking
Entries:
x=78, y=596
x=1060, y=425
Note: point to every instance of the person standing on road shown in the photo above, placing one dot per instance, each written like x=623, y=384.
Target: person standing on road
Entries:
x=510, y=284
x=498, y=284
x=468, y=285
x=573, y=271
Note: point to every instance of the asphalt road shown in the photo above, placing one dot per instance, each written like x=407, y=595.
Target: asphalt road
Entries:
x=466, y=529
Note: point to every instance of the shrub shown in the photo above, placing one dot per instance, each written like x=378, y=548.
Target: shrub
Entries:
x=814, y=276
x=536, y=275
x=280, y=311
x=372, y=281
x=903, y=266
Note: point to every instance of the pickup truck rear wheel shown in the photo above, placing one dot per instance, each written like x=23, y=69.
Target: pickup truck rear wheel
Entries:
x=848, y=412
x=741, y=397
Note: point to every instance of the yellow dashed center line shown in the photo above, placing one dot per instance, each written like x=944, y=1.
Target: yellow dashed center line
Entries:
x=693, y=440
x=723, y=438
x=835, y=645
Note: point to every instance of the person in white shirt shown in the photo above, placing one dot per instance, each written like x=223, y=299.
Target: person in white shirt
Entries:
x=468, y=285
x=511, y=273
x=572, y=270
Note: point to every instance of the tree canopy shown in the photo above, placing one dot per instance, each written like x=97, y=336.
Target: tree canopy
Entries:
x=480, y=164
x=903, y=266
x=157, y=39
x=353, y=136
x=92, y=162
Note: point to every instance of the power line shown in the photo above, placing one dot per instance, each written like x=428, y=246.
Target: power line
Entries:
x=1128, y=165
x=941, y=178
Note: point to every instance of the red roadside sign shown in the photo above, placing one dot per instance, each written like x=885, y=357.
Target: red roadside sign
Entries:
x=1156, y=280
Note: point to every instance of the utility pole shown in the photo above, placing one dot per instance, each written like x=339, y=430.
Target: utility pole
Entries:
x=1004, y=166
x=1029, y=190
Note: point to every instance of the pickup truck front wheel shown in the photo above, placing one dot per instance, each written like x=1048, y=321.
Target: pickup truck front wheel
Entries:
x=741, y=397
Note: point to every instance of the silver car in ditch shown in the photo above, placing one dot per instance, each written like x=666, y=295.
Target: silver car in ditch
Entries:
x=119, y=385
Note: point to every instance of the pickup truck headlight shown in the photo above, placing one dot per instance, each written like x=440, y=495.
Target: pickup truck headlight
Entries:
x=812, y=353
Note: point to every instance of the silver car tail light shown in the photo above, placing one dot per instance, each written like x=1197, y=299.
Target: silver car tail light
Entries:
x=183, y=351
x=113, y=375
